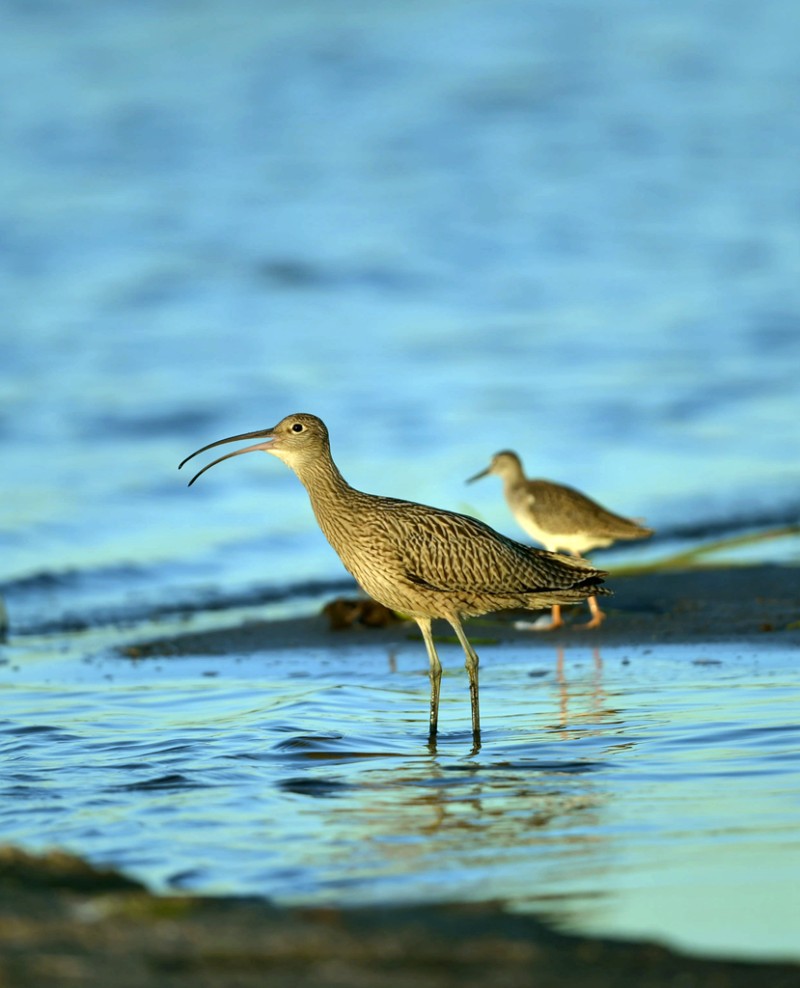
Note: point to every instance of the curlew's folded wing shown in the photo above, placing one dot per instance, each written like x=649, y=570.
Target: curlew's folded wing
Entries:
x=453, y=552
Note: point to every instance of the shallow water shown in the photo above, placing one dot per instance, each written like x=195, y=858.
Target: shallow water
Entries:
x=559, y=228
x=633, y=792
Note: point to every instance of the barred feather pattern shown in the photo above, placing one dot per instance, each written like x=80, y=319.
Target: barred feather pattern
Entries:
x=431, y=563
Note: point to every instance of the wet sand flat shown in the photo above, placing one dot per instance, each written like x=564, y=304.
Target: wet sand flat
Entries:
x=727, y=604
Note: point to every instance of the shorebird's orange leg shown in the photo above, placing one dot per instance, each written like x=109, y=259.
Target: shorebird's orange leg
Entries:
x=598, y=616
x=556, y=622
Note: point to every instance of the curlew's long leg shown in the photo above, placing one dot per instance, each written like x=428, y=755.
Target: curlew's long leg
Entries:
x=435, y=672
x=472, y=669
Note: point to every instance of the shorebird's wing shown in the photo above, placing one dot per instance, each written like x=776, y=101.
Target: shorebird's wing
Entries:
x=565, y=510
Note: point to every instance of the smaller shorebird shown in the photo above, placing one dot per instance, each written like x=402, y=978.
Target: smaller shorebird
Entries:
x=418, y=560
x=560, y=518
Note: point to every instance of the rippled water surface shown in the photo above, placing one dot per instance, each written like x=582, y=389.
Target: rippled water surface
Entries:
x=637, y=792
x=569, y=229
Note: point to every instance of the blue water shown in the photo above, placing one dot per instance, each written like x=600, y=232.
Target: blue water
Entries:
x=637, y=792
x=448, y=229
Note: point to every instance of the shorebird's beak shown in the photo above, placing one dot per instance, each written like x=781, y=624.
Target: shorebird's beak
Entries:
x=483, y=473
x=266, y=435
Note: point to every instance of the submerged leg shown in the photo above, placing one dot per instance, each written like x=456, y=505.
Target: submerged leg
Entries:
x=435, y=672
x=472, y=670
x=598, y=616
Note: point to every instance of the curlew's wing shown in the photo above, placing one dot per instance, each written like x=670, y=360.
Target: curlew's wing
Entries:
x=454, y=552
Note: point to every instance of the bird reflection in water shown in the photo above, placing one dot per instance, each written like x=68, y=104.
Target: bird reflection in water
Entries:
x=594, y=718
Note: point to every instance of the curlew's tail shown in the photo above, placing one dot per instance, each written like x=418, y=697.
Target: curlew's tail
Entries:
x=576, y=581
x=567, y=595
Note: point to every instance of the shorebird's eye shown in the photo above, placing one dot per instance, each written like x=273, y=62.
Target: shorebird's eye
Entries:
x=297, y=427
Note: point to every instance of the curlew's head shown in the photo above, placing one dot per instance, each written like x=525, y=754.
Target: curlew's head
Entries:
x=296, y=439
x=505, y=464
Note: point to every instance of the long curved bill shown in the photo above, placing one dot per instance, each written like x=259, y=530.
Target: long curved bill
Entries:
x=266, y=434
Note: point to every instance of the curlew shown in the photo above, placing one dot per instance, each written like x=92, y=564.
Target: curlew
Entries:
x=422, y=561
x=560, y=518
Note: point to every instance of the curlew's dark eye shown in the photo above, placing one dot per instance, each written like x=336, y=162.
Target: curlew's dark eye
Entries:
x=297, y=427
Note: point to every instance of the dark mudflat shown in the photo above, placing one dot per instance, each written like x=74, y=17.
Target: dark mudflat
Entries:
x=63, y=923
x=729, y=604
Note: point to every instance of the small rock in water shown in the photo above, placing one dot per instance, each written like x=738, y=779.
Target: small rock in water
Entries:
x=344, y=612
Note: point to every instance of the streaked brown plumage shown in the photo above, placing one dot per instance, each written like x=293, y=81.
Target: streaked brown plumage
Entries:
x=560, y=518
x=422, y=561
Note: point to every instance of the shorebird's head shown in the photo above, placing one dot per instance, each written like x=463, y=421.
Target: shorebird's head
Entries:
x=504, y=464
x=295, y=440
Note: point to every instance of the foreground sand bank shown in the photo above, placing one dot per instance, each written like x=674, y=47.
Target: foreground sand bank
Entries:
x=64, y=923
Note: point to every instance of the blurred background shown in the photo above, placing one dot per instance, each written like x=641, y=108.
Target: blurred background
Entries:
x=564, y=228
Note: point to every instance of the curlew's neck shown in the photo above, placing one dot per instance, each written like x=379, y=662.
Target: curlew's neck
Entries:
x=332, y=498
